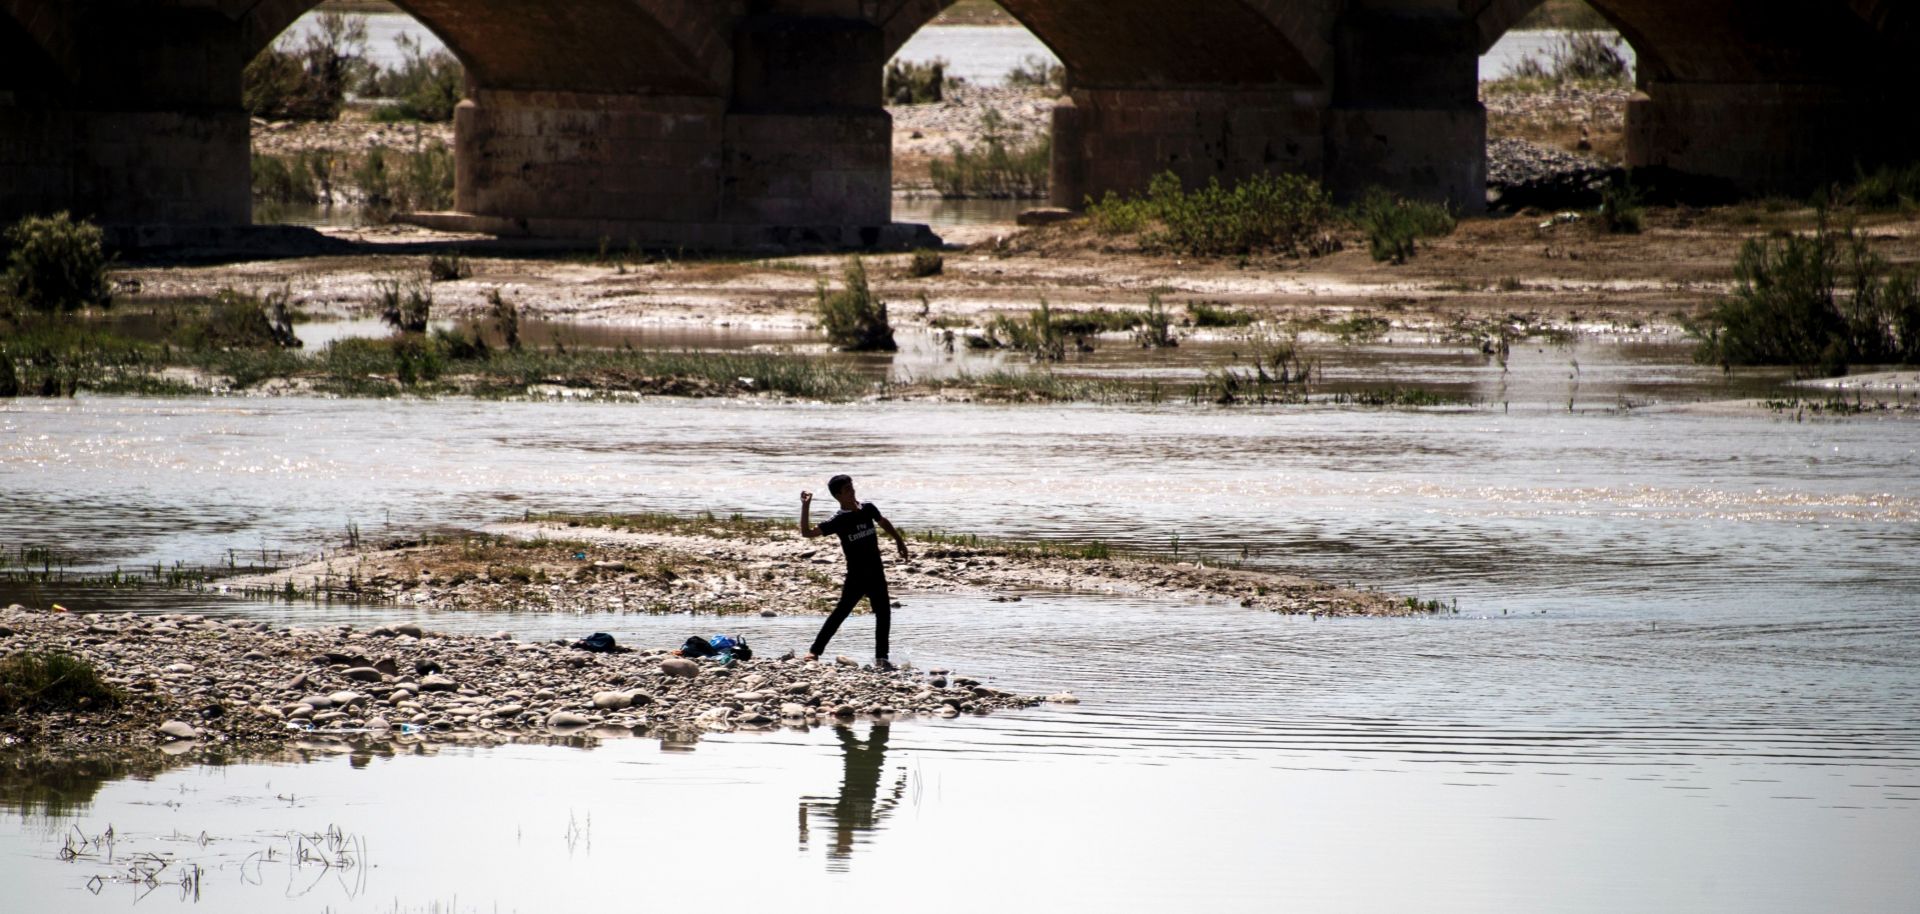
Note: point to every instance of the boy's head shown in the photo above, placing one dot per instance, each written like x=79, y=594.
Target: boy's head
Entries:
x=841, y=488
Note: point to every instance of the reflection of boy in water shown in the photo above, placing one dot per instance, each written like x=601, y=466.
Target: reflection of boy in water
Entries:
x=859, y=807
x=866, y=578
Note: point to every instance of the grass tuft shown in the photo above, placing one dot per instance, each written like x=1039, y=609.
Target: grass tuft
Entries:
x=854, y=318
x=52, y=681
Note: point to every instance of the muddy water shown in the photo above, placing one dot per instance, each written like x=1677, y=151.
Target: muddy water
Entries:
x=1682, y=676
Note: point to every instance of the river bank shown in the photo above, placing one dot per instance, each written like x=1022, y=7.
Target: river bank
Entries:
x=189, y=679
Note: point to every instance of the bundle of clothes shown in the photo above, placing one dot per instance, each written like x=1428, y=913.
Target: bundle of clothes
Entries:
x=725, y=648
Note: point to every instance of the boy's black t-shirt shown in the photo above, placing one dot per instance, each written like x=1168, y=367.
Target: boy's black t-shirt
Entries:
x=858, y=539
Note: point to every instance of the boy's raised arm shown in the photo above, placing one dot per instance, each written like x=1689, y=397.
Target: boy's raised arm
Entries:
x=807, y=529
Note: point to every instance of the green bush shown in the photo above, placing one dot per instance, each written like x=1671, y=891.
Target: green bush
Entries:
x=1393, y=224
x=1001, y=165
x=1621, y=212
x=52, y=681
x=854, y=318
x=1156, y=327
x=1037, y=72
x=57, y=264
x=407, y=305
x=1263, y=213
x=908, y=83
x=1039, y=334
x=307, y=82
x=1205, y=314
x=426, y=86
x=448, y=267
x=416, y=181
x=1886, y=189
x=1818, y=302
x=506, y=319
x=926, y=263
x=235, y=320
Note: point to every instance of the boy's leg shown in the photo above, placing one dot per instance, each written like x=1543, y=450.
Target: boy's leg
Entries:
x=849, y=595
x=882, y=617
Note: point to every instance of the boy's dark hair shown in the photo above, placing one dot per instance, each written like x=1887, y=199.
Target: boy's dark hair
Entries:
x=837, y=483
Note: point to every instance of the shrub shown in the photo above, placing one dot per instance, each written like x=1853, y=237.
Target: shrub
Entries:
x=1001, y=165
x=9, y=378
x=854, y=318
x=235, y=320
x=406, y=305
x=926, y=263
x=506, y=319
x=447, y=267
x=1817, y=302
x=1393, y=224
x=1038, y=334
x=418, y=181
x=1621, y=212
x=1592, y=58
x=52, y=681
x=910, y=83
x=426, y=86
x=1205, y=314
x=57, y=264
x=1886, y=189
x=307, y=82
x=1156, y=327
x=1037, y=72
x=1276, y=370
x=1262, y=213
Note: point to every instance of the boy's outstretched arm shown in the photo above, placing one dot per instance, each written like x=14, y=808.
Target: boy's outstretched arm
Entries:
x=898, y=540
x=807, y=529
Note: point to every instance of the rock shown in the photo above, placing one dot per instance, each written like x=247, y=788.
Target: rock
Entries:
x=254, y=656
x=398, y=696
x=844, y=660
x=938, y=682
x=387, y=665
x=379, y=723
x=178, y=729
x=344, y=698
x=503, y=636
x=509, y=711
x=179, y=667
x=768, y=614
x=640, y=699
x=680, y=666
x=845, y=711
x=754, y=720
x=792, y=710
x=1064, y=698
x=611, y=701
x=426, y=667
x=317, y=702
x=410, y=629
x=362, y=674
x=565, y=719
x=299, y=682
x=437, y=683
x=301, y=712
x=326, y=717
x=1045, y=215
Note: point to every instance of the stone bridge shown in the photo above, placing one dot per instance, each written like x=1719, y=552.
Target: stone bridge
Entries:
x=732, y=122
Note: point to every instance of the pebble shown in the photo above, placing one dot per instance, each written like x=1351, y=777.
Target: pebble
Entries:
x=611, y=701
x=179, y=729
x=680, y=666
x=410, y=629
x=437, y=683
x=563, y=719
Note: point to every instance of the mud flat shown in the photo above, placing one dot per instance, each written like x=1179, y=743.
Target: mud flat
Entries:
x=657, y=563
x=194, y=680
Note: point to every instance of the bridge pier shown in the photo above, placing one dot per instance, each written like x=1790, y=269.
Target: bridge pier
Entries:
x=1406, y=111
x=1118, y=139
x=1788, y=138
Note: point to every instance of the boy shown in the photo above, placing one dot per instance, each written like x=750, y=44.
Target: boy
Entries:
x=865, y=577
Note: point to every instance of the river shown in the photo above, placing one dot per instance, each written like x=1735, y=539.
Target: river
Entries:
x=1681, y=676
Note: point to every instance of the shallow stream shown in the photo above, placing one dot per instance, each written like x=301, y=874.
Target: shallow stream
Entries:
x=1681, y=677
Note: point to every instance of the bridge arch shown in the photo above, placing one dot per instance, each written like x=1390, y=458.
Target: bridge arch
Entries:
x=669, y=47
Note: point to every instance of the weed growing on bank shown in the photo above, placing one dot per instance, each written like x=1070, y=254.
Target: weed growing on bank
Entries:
x=52, y=681
x=1037, y=72
x=1207, y=314
x=1393, y=224
x=405, y=304
x=1593, y=59
x=1819, y=302
x=55, y=263
x=1001, y=165
x=908, y=82
x=1887, y=189
x=1621, y=210
x=308, y=79
x=1266, y=213
x=404, y=182
x=854, y=318
x=926, y=263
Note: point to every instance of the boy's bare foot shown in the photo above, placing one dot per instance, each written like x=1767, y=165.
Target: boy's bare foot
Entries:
x=810, y=657
x=884, y=665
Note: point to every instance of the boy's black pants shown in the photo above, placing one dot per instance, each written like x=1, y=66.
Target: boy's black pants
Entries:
x=874, y=588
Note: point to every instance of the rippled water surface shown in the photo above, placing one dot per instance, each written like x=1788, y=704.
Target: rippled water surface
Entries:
x=1682, y=676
